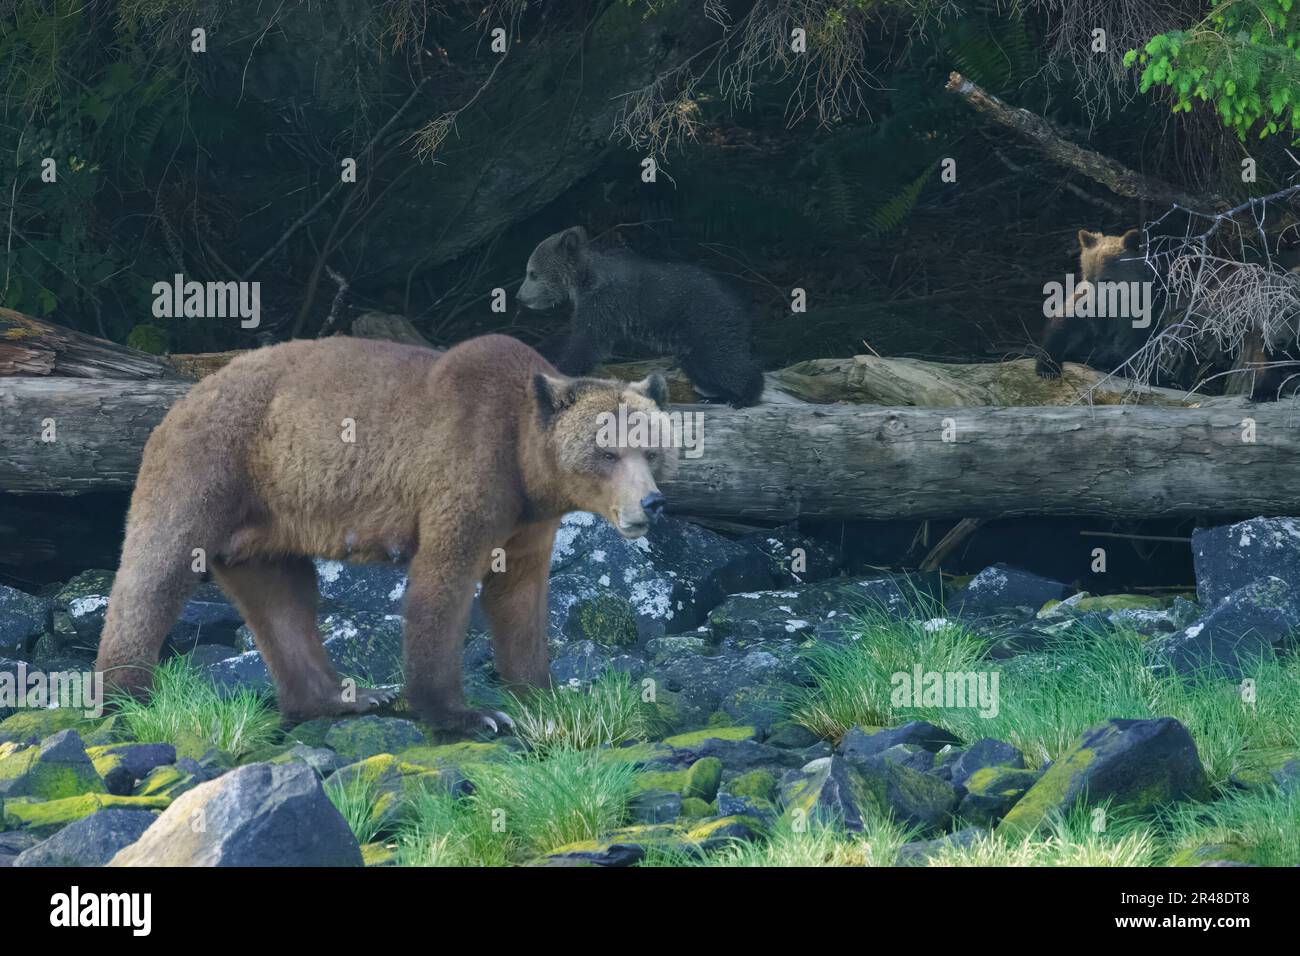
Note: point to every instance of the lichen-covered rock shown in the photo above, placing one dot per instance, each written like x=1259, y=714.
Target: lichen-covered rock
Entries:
x=1230, y=557
x=15, y=843
x=32, y=726
x=1252, y=623
x=830, y=791
x=793, y=557
x=169, y=781
x=862, y=742
x=1002, y=588
x=1135, y=764
x=357, y=738
x=748, y=686
x=736, y=748
x=48, y=816
x=121, y=765
x=912, y=797
x=57, y=768
x=363, y=646
x=655, y=806
x=90, y=841
x=991, y=792
x=321, y=759
x=256, y=815
x=672, y=576
x=603, y=617
x=373, y=588
x=985, y=752
x=84, y=600
x=1212, y=854
x=23, y=618
x=581, y=662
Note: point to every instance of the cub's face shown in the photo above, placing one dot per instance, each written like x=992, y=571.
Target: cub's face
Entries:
x=606, y=467
x=552, y=272
x=1105, y=258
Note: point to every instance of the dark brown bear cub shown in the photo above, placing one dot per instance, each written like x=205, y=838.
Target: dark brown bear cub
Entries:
x=373, y=451
x=667, y=307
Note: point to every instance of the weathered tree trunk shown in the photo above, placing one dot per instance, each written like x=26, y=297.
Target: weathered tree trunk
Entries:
x=778, y=462
x=29, y=346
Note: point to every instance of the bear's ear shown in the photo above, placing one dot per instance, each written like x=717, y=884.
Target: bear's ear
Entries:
x=654, y=388
x=573, y=239
x=1088, y=239
x=1132, y=240
x=554, y=394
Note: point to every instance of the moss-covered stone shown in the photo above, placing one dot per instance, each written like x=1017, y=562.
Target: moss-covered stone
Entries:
x=361, y=737
x=992, y=791
x=168, y=781
x=671, y=780
x=693, y=808
x=1118, y=602
x=703, y=779
x=696, y=738
x=606, y=619
x=33, y=726
x=47, y=815
x=1135, y=764
x=58, y=768
x=754, y=785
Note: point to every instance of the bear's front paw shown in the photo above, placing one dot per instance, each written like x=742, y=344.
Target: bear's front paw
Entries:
x=361, y=700
x=467, y=720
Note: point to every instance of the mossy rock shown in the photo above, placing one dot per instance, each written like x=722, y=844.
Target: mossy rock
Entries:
x=312, y=732
x=464, y=754
x=362, y=737
x=379, y=854
x=1138, y=765
x=693, y=808
x=703, y=779
x=991, y=792
x=628, y=845
x=168, y=781
x=754, y=785
x=1279, y=769
x=57, y=768
x=33, y=726
x=606, y=619
x=49, y=815
x=695, y=738
x=671, y=780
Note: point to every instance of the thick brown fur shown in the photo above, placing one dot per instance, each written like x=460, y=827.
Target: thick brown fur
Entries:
x=455, y=454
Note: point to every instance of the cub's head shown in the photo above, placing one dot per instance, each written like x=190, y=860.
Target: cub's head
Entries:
x=1105, y=258
x=612, y=443
x=553, y=268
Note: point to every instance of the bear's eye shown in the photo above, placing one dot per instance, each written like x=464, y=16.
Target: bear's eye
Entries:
x=609, y=456
x=532, y=273
x=652, y=456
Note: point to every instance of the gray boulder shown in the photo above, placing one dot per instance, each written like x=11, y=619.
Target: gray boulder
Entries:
x=23, y=618
x=90, y=841
x=1230, y=557
x=256, y=815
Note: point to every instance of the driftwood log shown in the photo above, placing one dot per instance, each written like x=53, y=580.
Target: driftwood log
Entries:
x=29, y=346
x=779, y=462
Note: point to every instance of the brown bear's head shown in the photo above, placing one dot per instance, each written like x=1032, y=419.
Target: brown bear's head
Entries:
x=1105, y=258
x=553, y=269
x=611, y=443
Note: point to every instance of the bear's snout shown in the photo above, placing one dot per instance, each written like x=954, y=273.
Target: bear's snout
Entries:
x=653, y=504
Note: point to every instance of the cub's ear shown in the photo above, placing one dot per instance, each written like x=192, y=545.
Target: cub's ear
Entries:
x=654, y=388
x=554, y=394
x=1088, y=239
x=1132, y=240
x=573, y=239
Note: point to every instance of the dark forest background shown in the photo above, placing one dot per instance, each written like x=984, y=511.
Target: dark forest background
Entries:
x=819, y=170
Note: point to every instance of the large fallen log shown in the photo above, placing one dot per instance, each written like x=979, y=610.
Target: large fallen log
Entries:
x=29, y=346
x=779, y=462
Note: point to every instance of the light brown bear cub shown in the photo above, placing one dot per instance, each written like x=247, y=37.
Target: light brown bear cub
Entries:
x=374, y=451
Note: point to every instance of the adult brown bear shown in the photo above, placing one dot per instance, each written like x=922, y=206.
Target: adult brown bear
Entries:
x=345, y=448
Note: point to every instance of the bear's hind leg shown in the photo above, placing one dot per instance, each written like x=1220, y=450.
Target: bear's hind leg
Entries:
x=277, y=598
x=728, y=372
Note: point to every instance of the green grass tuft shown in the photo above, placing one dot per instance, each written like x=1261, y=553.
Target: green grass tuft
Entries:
x=608, y=713
x=184, y=707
